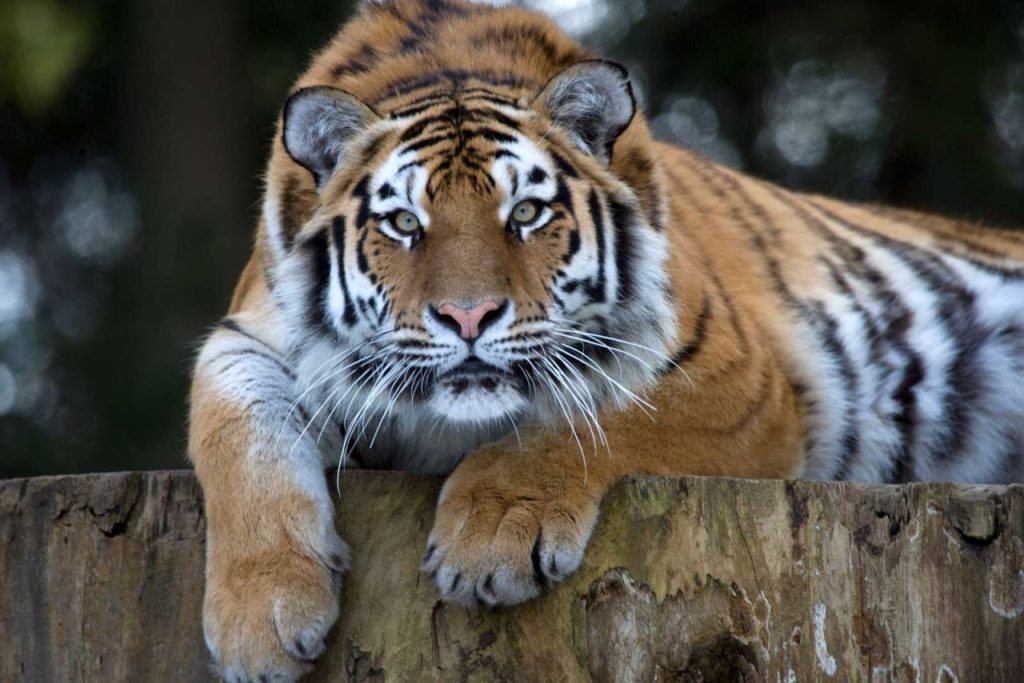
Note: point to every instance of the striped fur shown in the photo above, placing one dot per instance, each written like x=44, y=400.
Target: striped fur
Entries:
x=659, y=314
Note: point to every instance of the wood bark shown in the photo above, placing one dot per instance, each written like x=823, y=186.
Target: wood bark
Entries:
x=695, y=579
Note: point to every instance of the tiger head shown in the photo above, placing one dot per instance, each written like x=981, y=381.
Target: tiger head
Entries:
x=472, y=251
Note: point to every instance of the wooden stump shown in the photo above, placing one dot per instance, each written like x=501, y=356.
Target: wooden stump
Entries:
x=694, y=579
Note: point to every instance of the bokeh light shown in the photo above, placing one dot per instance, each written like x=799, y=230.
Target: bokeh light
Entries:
x=812, y=101
x=692, y=122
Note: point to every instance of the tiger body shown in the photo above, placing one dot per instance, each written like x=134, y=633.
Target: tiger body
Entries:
x=472, y=259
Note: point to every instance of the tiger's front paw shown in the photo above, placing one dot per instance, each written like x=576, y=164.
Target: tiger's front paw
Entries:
x=503, y=534
x=265, y=615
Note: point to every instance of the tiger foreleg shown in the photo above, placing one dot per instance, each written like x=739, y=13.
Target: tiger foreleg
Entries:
x=512, y=521
x=515, y=517
x=273, y=560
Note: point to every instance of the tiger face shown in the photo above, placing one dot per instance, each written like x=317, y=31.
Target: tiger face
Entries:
x=471, y=254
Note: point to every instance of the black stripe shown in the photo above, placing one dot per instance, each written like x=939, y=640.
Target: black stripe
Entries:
x=574, y=245
x=455, y=78
x=427, y=142
x=303, y=413
x=362, y=193
x=597, y=290
x=361, y=263
x=623, y=225
x=386, y=191
x=408, y=165
x=363, y=308
x=426, y=104
x=492, y=135
x=850, y=440
x=564, y=167
x=372, y=147
x=349, y=314
x=316, y=247
x=289, y=213
x=230, y=324
x=563, y=197
x=696, y=343
x=483, y=94
x=416, y=129
x=506, y=121
x=243, y=353
x=875, y=338
x=360, y=63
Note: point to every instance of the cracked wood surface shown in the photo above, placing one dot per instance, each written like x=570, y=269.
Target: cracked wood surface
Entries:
x=692, y=579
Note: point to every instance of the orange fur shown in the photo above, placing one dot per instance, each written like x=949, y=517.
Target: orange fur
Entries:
x=733, y=409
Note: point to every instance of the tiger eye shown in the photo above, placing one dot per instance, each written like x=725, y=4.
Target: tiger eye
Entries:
x=525, y=211
x=406, y=221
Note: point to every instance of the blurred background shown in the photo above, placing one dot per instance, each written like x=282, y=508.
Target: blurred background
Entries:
x=132, y=136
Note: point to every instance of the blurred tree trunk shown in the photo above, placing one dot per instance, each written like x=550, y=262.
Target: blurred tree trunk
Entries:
x=692, y=580
x=189, y=152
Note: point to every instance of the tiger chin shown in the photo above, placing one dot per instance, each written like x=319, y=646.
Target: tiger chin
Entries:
x=473, y=259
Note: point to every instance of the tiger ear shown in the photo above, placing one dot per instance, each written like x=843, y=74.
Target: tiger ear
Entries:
x=593, y=101
x=319, y=125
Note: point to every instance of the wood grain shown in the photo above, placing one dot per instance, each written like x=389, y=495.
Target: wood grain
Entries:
x=695, y=579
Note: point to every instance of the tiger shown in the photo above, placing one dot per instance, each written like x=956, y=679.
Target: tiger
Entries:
x=473, y=259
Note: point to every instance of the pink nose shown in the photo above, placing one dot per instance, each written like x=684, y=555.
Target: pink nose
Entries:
x=468, y=319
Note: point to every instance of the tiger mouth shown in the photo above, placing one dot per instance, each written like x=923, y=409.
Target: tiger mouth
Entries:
x=474, y=372
x=475, y=366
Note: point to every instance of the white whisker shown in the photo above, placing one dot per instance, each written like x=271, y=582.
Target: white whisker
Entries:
x=565, y=412
x=592, y=407
x=574, y=328
x=570, y=389
x=324, y=404
x=640, y=402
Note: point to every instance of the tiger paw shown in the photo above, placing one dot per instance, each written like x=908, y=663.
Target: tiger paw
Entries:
x=265, y=616
x=501, y=536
